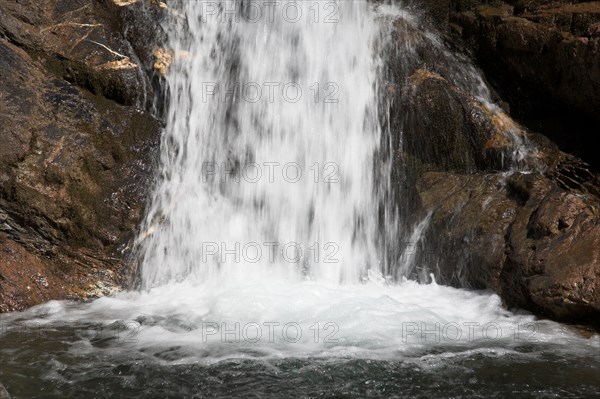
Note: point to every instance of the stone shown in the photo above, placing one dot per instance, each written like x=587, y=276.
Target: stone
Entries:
x=543, y=58
x=533, y=243
x=525, y=230
x=77, y=153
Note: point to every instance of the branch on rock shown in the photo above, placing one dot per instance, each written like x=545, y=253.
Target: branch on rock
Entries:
x=108, y=49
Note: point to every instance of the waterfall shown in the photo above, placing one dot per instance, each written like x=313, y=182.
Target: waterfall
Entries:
x=268, y=152
x=277, y=156
x=273, y=236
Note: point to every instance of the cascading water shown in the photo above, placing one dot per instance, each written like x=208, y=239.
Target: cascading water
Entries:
x=268, y=152
x=268, y=246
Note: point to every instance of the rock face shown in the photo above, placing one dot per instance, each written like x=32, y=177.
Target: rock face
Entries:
x=77, y=149
x=536, y=245
x=509, y=210
x=543, y=58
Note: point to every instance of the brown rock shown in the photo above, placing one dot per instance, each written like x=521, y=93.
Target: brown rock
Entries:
x=25, y=279
x=536, y=245
x=75, y=163
x=545, y=62
x=530, y=237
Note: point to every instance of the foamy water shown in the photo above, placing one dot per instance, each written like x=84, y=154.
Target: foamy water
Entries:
x=277, y=319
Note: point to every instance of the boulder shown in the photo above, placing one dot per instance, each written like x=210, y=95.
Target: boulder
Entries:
x=519, y=234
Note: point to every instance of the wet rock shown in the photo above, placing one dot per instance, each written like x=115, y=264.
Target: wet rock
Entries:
x=437, y=122
x=79, y=42
x=531, y=236
x=544, y=60
x=448, y=129
x=554, y=253
x=76, y=159
x=471, y=221
x=535, y=244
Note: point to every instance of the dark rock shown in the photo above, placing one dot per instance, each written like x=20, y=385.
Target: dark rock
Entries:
x=447, y=128
x=79, y=41
x=76, y=159
x=532, y=237
x=553, y=253
x=535, y=244
x=437, y=106
x=544, y=59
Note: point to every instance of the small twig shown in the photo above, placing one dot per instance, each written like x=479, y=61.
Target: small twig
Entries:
x=107, y=48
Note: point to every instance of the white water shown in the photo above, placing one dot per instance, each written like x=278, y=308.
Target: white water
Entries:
x=302, y=131
x=189, y=323
x=341, y=305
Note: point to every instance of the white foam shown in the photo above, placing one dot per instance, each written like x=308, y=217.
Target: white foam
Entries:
x=207, y=323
